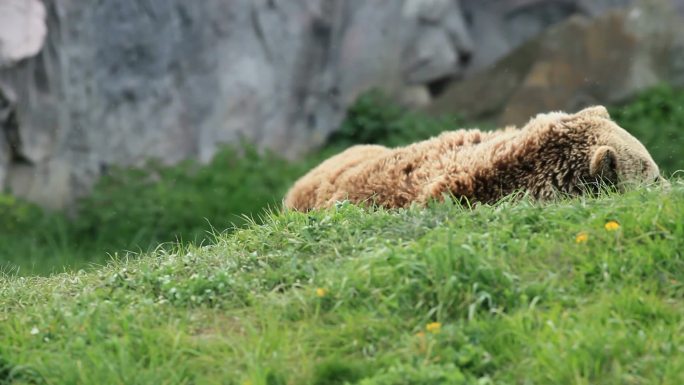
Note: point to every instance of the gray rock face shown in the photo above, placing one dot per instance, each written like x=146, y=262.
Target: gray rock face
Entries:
x=119, y=82
x=576, y=63
x=22, y=33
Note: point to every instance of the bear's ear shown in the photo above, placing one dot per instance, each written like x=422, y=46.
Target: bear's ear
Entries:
x=604, y=164
x=598, y=111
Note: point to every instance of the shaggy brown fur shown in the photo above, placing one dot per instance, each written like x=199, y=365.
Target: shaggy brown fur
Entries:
x=553, y=153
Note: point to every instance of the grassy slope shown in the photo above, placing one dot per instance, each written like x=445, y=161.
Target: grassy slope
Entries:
x=517, y=298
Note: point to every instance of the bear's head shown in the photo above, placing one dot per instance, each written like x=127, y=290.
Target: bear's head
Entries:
x=600, y=149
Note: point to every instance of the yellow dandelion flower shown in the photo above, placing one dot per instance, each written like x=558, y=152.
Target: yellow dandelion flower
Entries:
x=612, y=225
x=433, y=327
x=582, y=237
x=321, y=292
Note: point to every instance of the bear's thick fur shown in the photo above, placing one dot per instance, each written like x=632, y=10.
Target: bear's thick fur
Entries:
x=553, y=153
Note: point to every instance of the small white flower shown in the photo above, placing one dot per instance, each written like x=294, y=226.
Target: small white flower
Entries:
x=34, y=331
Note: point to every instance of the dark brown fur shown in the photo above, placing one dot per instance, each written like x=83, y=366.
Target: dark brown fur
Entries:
x=553, y=153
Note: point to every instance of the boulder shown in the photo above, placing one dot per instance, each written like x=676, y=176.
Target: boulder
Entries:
x=22, y=30
x=500, y=26
x=578, y=62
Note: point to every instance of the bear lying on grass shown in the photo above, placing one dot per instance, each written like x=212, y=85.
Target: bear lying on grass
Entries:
x=553, y=153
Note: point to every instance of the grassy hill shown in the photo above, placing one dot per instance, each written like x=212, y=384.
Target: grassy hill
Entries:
x=584, y=291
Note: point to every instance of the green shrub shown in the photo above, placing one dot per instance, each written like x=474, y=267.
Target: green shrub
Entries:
x=16, y=215
x=374, y=119
x=138, y=208
x=142, y=207
x=656, y=117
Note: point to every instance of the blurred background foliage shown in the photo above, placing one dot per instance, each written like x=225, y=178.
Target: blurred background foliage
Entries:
x=375, y=119
x=656, y=117
x=137, y=209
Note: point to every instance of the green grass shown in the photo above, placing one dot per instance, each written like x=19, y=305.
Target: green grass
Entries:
x=519, y=301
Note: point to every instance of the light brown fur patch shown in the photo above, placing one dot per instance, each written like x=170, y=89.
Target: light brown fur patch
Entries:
x=554, y=152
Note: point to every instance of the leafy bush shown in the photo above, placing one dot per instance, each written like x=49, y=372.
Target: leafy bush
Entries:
x=656, y=117
x=374, y=119
x=141, y=207
x=16, y=215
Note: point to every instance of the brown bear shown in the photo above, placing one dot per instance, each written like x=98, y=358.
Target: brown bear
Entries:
x=553, y=153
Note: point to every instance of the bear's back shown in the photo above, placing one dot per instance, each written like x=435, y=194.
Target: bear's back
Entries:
x=312, y=189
